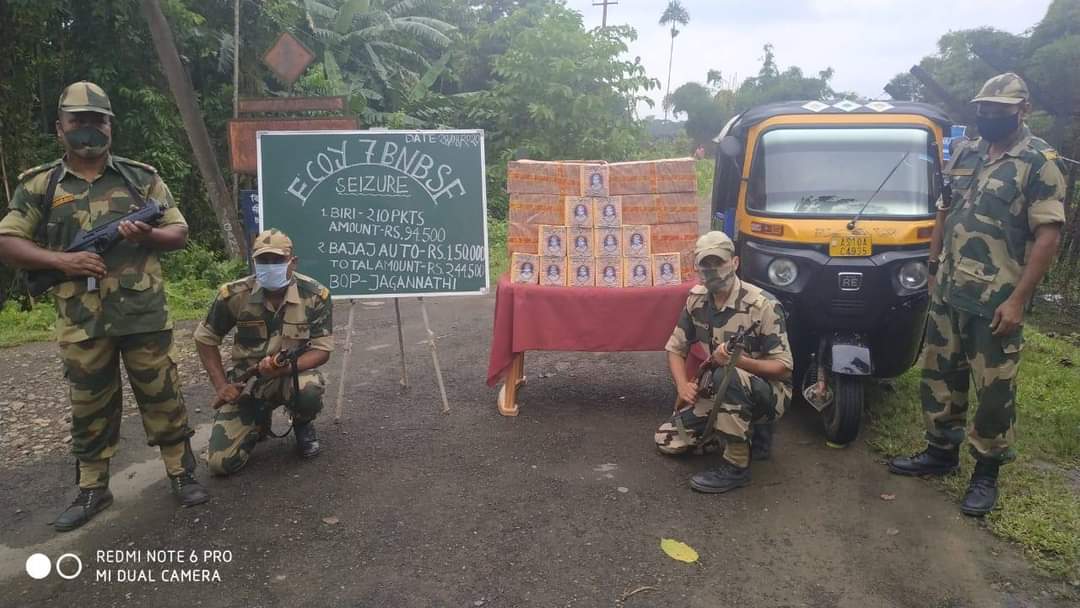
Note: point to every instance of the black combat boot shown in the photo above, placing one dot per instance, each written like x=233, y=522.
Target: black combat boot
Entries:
x=307, y=440
x=761, y=441
x=87, y=504
x=188, y=490
x=982, y=490
x=184, y=486
x=724, y=478
x=931, y=461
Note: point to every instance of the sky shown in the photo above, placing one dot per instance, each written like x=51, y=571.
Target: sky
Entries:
x=866, y=42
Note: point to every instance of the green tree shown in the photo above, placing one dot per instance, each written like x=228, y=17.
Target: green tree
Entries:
x=559, y=91
x=674, y=15
x=378, y=51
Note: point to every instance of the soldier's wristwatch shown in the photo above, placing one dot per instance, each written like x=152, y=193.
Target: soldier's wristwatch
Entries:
x=932, y=266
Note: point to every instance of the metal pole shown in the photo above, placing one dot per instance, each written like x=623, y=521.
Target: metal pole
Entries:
x=401, y=346
x=236, y=98
x=434, y=357
x=345, y=362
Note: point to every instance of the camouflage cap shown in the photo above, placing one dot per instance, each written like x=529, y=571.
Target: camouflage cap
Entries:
x=271, y=241
x=713, y=243
x=1004, y=88
x=85, y=97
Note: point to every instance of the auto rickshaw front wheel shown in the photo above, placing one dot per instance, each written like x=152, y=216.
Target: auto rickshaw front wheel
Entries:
x=843, y=416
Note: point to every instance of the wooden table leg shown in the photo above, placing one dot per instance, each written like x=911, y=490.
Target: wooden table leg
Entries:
x=508, y=405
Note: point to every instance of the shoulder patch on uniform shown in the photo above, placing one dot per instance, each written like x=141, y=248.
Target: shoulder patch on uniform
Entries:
x=698, y=290
x=1051, y=154
x=31, y=172
x=135, y=163
x=324, y=294
x=308, y=285
x=233, y=287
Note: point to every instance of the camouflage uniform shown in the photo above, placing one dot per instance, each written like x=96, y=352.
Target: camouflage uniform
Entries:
x=988, y=234
x=749, y=399
x=306, y=315
x=125, y=317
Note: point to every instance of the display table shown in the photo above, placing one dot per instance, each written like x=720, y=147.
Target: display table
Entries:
x=579, y=319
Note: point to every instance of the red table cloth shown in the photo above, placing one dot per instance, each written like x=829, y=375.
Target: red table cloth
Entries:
x=582, y=319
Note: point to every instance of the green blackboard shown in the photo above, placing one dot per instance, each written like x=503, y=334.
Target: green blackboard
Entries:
x=380, y=213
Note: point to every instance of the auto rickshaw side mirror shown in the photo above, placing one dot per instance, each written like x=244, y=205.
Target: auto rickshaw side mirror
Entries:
x=732, y=147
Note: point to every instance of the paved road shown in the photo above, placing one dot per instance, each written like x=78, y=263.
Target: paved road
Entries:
x=564, y=505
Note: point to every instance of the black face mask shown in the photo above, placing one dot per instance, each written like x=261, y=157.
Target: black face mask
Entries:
x=998, y=128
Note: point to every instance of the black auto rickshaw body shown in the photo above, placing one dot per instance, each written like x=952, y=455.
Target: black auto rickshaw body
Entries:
x=831, y=207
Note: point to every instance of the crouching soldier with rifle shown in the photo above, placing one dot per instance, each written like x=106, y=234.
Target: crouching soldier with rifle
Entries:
x=284, y=332
x=747, y=381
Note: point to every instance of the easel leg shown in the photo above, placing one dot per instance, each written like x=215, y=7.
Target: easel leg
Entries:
x=434, y=357
x=401, y=346
x=345, y=362
x=507, y=402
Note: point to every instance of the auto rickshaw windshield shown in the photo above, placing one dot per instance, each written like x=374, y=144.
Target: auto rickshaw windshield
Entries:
x=835, y=171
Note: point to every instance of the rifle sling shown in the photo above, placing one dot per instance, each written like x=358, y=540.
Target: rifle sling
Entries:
x=41, y=236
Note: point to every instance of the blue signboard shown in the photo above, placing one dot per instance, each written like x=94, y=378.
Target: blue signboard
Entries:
x=249, y=212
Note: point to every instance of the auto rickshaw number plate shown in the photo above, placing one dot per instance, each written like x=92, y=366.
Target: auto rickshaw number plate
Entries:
x=853, y=245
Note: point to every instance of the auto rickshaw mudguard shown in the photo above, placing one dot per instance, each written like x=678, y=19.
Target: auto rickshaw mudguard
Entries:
x=850, y=356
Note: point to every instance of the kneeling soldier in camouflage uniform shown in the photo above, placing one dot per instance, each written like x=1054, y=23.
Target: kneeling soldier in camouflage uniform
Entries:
x=994, y=243
x=759, y=390
x=274, y=309
x=111, y=307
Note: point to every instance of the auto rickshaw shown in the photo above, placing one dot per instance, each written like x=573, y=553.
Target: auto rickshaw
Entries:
x=831, y=207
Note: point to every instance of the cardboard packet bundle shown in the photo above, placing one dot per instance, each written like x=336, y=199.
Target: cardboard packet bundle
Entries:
x=677, y=238
x=594, y=180
x=608, y=242
x=552, y=241
x=523, y=268
x=522, y=237
x=653, y=176
x=608, y=272
x=581, y=272
x=677, y=207
x=637, y=272
x=640, y=209
x=666, y=269
x=537, y=209
x=552, y=271
x=544, y=177
x=579, y=211
x=580, y=242
x=607, y=212
x=636, y=241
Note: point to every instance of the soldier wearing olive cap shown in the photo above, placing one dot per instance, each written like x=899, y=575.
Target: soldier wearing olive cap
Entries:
x=992, y=244
x=760, y=388
x=111, y=307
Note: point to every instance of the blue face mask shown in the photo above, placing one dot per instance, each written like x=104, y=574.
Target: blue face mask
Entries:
x=272, y=277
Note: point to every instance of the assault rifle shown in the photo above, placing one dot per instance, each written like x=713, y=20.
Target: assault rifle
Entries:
x=283, y=358
x=706, y=386
x=98, y=240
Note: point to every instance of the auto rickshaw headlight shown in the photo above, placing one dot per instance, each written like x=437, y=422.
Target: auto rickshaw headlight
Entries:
x=913, y=275
x=783, y=272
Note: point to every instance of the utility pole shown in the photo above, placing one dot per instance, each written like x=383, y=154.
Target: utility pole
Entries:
x=184, y=95
x=605, y=3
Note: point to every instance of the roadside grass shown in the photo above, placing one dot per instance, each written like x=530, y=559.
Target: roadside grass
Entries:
x=497, y=253
x=1040, y=491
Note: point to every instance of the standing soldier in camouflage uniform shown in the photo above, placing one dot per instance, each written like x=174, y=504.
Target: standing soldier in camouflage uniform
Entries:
x=111, y=306
x=274, y=309
x=992, y=244
x=760, y=390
